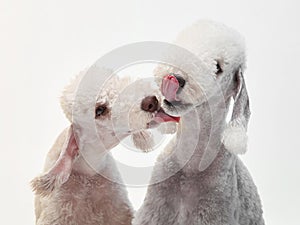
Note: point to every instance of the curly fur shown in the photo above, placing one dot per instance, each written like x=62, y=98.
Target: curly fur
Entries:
x=219, y=191
x=70, y=191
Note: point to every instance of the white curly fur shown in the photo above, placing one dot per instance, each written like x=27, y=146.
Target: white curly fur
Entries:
x=70, y=191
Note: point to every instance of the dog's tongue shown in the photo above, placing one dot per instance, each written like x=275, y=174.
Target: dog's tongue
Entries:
x=169, y=87
x=161, y=117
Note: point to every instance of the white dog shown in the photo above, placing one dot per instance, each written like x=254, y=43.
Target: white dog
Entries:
x=211, y=186
x=71, y=191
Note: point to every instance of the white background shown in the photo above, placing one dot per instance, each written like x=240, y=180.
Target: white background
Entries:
x=44, y=43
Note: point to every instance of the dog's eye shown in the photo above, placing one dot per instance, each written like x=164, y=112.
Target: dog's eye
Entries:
x=219, y=69
x=100, y=110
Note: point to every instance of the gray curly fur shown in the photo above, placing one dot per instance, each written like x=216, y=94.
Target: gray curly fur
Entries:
x=222, y=192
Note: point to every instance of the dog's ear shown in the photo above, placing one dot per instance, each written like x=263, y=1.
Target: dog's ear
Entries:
x=143, y=140
x=59, y=173
x=235, y=134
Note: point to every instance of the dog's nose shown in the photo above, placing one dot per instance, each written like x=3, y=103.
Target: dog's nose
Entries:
x=180, y=80
x=149, y=104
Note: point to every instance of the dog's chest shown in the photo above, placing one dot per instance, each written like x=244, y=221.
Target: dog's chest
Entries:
x=203, y=196
x=87, y=201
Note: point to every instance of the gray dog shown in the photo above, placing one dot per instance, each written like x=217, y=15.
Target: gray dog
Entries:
x=218, y=190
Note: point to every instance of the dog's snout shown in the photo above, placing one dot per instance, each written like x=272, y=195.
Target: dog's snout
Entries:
x=180, y=80
x=149, y=104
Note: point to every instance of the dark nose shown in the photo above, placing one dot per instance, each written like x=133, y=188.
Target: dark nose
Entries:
x=180, y=80
x=149, y=104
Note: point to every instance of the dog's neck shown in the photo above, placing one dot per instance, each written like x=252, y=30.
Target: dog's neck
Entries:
x=93, y=160
x=199, y=135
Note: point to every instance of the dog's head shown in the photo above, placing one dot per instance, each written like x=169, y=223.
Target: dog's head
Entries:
x=221, y=50
x=123, y=107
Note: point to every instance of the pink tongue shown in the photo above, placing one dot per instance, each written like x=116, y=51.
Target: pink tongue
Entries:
x=169, y=87
x=161, y=117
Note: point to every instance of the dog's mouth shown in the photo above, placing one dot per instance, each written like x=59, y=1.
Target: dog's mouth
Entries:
x=171, y=87
x=160, y=116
